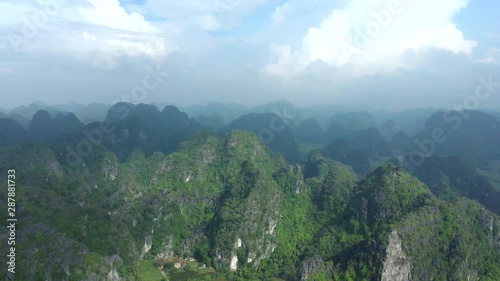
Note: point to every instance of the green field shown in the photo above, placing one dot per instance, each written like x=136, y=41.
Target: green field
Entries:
x=197, y=272
x=148, y=272
x=187, y=275
x=492, y=173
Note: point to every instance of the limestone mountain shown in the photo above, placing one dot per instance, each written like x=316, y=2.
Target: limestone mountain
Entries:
x=449, y=177
x=470, y=135
x=235, y=205
x=336, y=130
x=309, y=131
x=213, y=121
x=340, y=150
x=45, y=129
x=388, y=128
x=402, y=141
x=145, y=127
x=11, y=132
x=227, y=111
x=86, y=113
x=23, y=121
x=283, y=108
x=273, y=131
x=356, y=120
x=28, y=111
x=372, y=142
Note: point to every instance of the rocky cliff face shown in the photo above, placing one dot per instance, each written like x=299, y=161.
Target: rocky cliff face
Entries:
x=248, y=209
x=397, y=266
x=312, y=267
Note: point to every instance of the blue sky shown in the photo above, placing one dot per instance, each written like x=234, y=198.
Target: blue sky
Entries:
x=481, y=20
x=377, y=54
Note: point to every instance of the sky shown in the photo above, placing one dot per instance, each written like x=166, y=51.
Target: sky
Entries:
x=374, y=54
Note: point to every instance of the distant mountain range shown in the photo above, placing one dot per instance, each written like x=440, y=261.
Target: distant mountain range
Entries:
x=259, y=196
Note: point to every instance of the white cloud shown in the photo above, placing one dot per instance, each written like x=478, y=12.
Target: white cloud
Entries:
x=281, y=13
x=208, y=22
x=109, y=13
x=12, y=16
x=97, y=52
x=209, y=15
x=88, y=37
x=98, y=32
x=135, y=36
x=373, y=37
x=285, y=65
x=493, y=57
x=107, y=48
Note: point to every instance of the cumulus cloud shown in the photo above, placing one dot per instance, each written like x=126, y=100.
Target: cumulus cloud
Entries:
x=109, y=13
x=373, y=37
x=106, y=50
x=92, y=50
x=134, y=37
x=98, y=32
x=281, y=13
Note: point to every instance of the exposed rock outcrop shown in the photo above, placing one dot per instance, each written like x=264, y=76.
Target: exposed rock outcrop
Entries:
x=397, y=266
